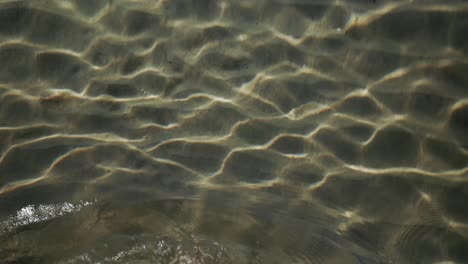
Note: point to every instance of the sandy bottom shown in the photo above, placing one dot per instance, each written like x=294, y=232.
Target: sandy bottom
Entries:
x=232, y=131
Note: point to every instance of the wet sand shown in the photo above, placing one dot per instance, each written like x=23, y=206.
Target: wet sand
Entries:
x=272, y=131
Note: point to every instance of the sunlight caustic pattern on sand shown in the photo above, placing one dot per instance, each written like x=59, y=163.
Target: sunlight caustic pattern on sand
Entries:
x=206, y=131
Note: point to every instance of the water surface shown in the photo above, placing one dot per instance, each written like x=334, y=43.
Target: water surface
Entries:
x=270, y=131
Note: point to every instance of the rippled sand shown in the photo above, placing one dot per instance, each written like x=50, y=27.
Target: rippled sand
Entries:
x=270, y=131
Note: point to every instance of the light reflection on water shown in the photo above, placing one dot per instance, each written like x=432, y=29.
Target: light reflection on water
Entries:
x=179, y=131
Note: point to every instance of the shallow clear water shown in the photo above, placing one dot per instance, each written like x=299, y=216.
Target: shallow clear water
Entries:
x=270, y=131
